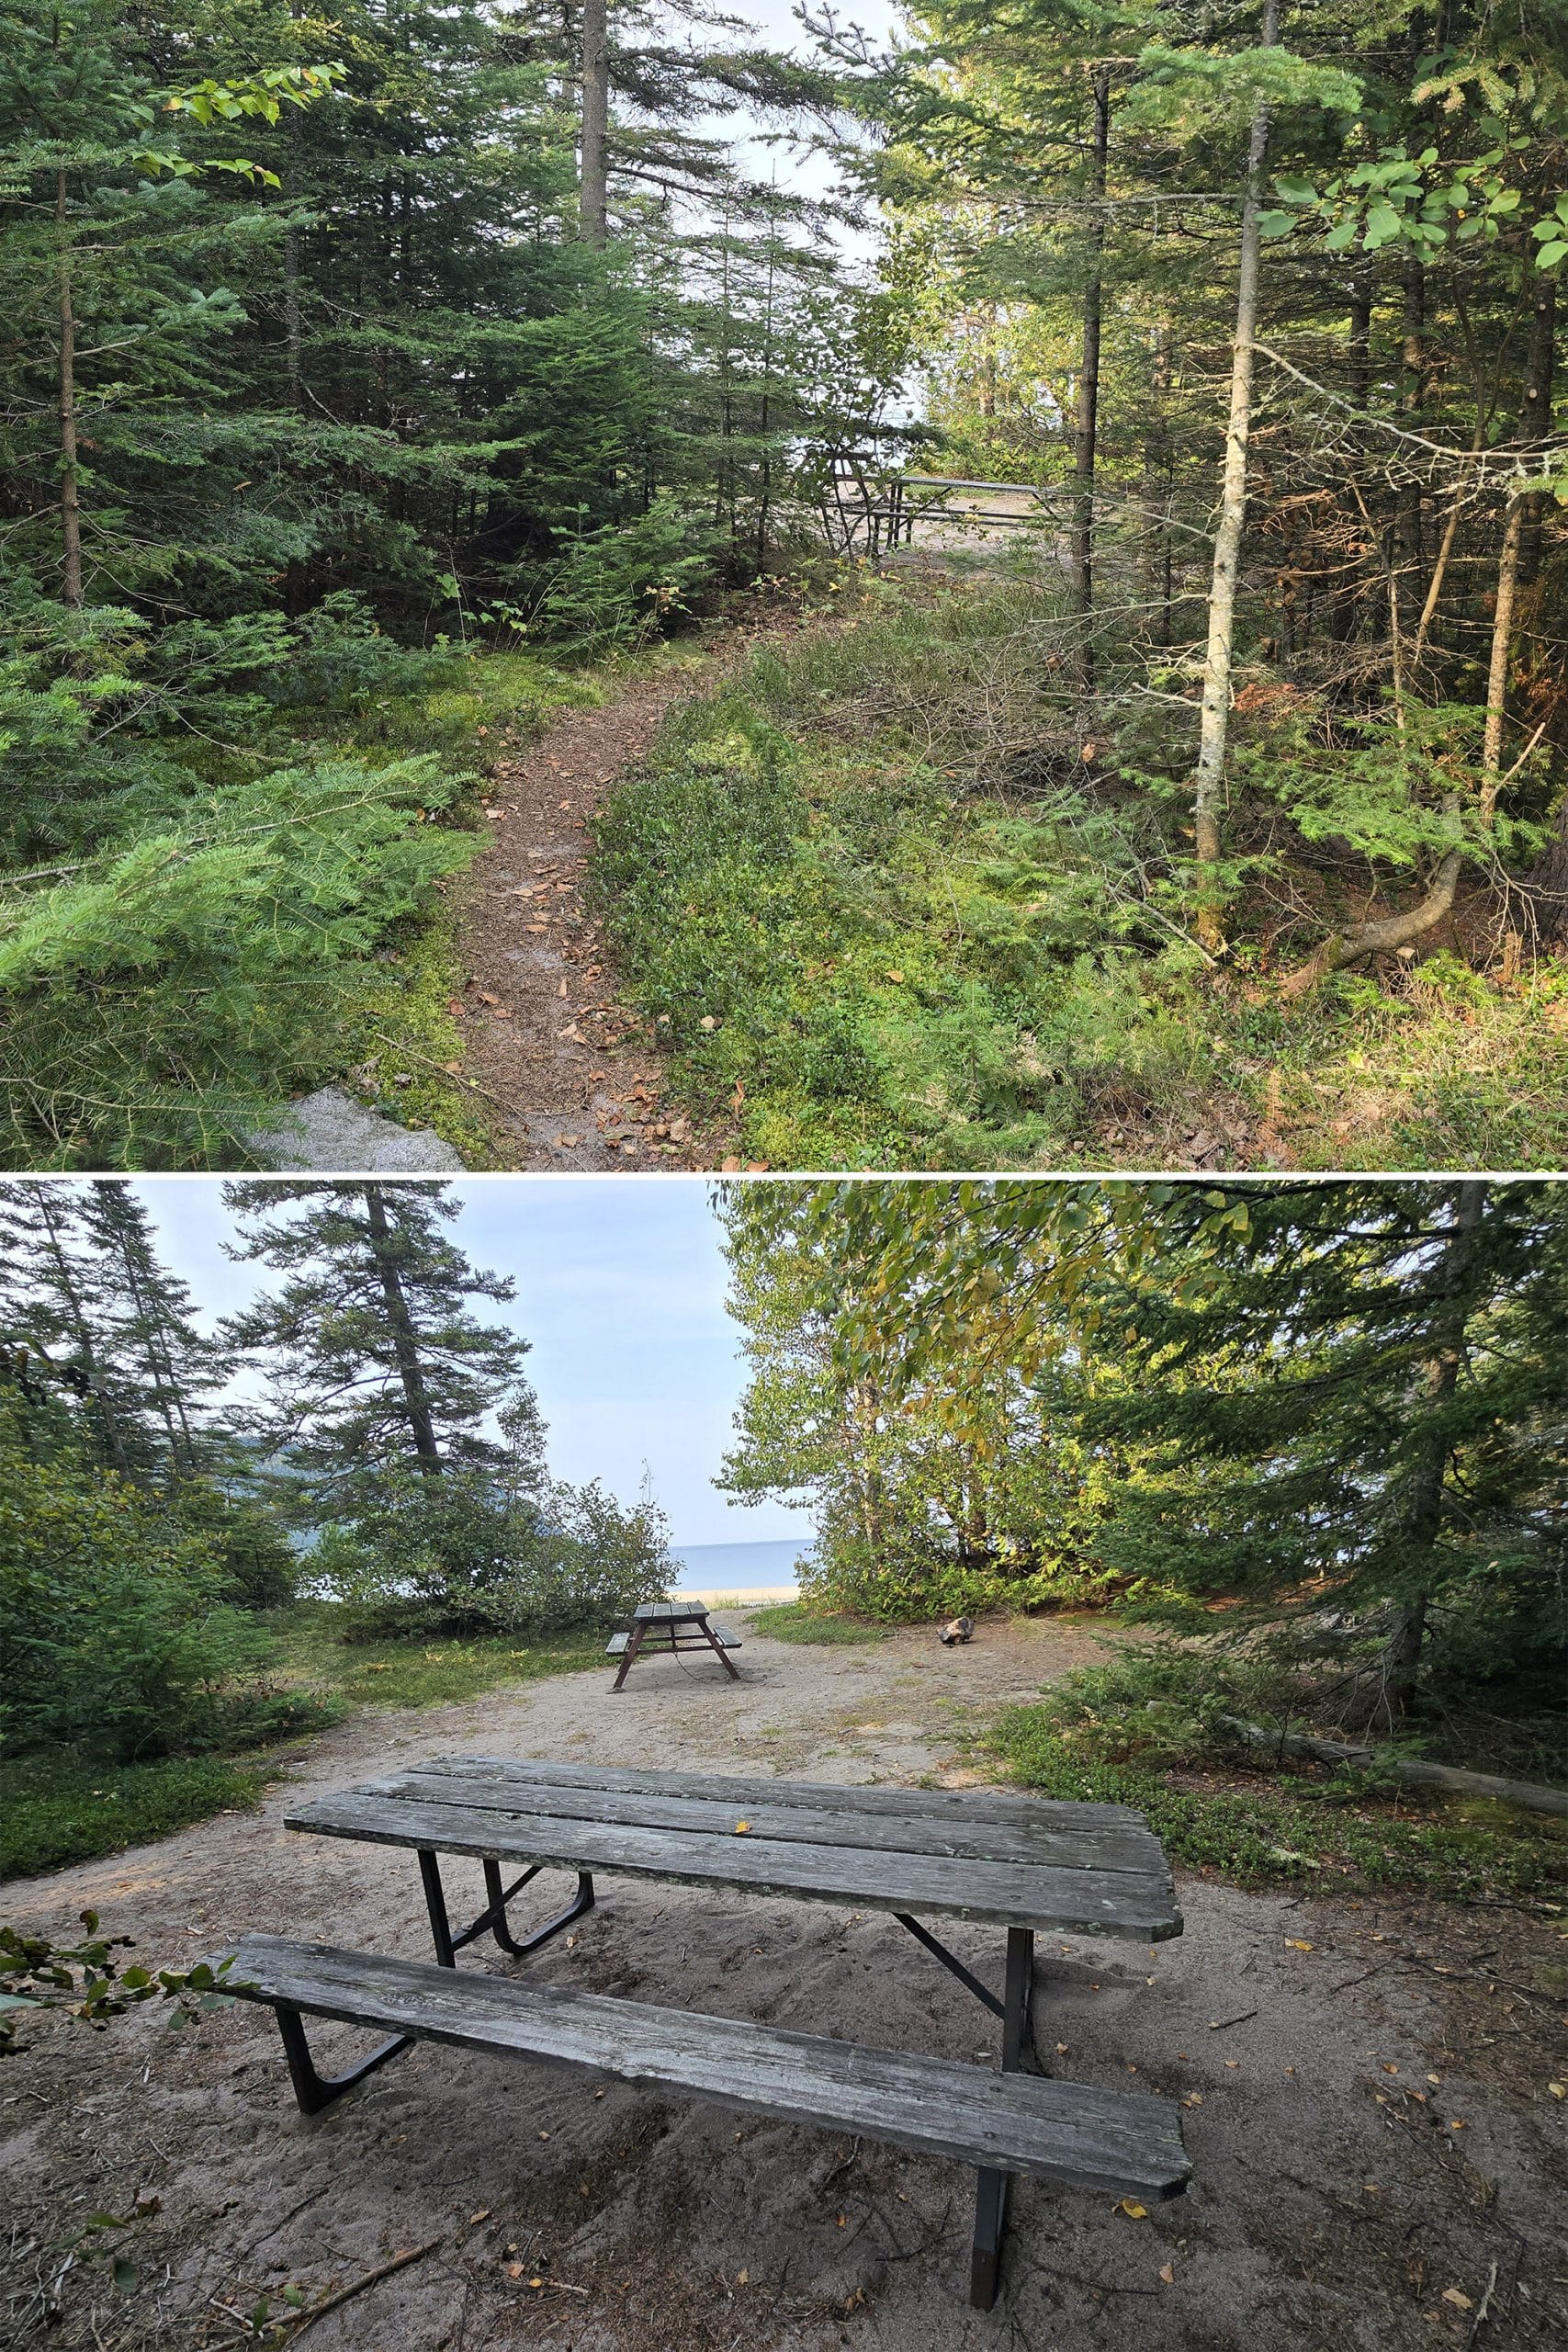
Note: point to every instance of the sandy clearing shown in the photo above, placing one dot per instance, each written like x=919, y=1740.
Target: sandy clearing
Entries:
x=1331, y=2206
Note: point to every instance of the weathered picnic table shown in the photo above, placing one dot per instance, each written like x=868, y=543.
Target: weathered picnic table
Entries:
x=1023, y=1864
x=671, y=1627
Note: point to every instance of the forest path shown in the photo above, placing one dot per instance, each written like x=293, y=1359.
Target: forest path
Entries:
x=567, y=1076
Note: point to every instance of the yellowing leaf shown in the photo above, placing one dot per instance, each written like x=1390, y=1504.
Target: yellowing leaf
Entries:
x=1296, y=1944
x=1134, y=2210
x=742, y=1828
x=1558, y=2090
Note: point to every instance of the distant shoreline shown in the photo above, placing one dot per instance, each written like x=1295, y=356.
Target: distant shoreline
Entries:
x=757, y=1572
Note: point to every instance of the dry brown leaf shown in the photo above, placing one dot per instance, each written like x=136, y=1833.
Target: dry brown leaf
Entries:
x=1168, y=2274
x=1460, y=2303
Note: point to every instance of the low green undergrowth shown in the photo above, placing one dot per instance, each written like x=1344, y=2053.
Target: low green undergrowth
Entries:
x=1269, y=1827
x=795, y=1620
x=58, y=1806
x=419, y=1671
x=58, y=1809
x=888, y=909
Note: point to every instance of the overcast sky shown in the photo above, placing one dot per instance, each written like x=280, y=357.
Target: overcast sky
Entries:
x=620, y=1290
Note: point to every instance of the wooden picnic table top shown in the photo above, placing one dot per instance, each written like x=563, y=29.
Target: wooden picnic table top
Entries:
x=1016, y=1862
x=664, y=1612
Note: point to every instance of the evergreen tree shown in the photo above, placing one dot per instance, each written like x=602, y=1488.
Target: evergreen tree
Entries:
x=1355, y=1401
x=83, y=1290
x=372, y=1358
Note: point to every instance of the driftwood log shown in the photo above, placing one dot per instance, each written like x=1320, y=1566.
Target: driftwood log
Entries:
x=1413, y=1770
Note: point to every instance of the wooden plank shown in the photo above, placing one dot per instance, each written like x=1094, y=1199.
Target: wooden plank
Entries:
x=615, y=1644
x=1137, y=1852
x=1119, y=2140
x=823, y=1796
x=1006, y=1893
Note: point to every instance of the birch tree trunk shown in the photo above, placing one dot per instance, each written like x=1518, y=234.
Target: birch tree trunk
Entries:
x=593, y=202
x=1088, y=386
x=1214, y=727
x=1497, y=672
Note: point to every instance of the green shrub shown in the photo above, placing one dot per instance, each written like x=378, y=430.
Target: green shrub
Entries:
x=115, y=1635
x=463, y=1554
x=627, y=581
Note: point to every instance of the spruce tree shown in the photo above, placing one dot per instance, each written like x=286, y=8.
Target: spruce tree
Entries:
x=372, y=1358
x=84, y=1290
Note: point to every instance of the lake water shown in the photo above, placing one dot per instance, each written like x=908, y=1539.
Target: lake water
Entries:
x=739, y=1567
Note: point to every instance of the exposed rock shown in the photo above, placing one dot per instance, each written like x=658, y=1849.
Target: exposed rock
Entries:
x=329, y=1130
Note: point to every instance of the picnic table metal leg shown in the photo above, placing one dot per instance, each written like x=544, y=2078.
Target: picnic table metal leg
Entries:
x=493, y=1917
x=634, y=1640
x=991, y=2191
x=312, y=2090
x=493, y=1920
x=990, y=2218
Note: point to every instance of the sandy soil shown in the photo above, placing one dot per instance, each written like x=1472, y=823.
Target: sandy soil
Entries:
x=1366, y=2105
x=568, y=1076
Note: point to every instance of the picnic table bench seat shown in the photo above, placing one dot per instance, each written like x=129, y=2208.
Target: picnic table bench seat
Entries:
x=1071, y=2133
x=615, y=1646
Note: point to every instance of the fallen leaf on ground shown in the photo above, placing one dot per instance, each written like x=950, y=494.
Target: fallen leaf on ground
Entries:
x=1134, y=2210
x=1460, y=2302
x=1168, y=2274
x=482, y=2216
x=1296, y=1944
x=486, y=997
x=707, y=1022
x=1558, y=2090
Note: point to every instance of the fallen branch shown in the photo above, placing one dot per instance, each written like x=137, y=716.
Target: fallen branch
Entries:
x=371, y=2278
x=1482, y=2307
x=1413, y=1770
x=1388, y=931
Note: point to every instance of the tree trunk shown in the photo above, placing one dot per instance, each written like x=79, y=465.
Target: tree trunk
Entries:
x=1424, y=1518
x=1535, y=415
x=64, y=1274
x=1408, y=535
x=1158, y=486
x=1215, y=722
x=69, y=499
x=405, y=1341
x=1088, y=387
x=593, y=202
x=1501, y=641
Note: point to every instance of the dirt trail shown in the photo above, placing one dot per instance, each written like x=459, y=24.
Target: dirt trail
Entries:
x=1377, y=2156
x=569, y=1078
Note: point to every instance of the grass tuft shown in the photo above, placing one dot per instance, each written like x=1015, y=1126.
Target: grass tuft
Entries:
x=796, y=1621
